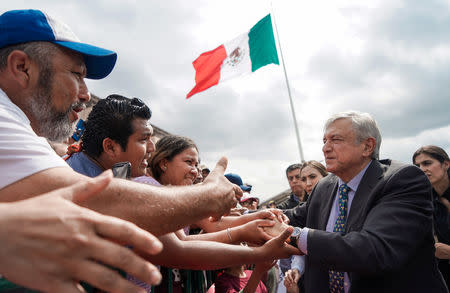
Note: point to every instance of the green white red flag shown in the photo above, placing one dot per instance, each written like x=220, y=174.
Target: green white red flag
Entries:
x=246, y=53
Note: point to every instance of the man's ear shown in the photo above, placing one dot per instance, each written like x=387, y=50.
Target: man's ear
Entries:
x=111, y=148
x=21, y=68
x=369, y=146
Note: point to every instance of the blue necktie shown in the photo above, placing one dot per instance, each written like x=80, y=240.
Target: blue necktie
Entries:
x=337, y=278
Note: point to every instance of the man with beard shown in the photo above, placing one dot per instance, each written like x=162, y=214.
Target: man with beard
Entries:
x=42, y=70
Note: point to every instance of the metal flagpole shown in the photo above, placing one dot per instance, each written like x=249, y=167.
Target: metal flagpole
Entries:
x=297, y=134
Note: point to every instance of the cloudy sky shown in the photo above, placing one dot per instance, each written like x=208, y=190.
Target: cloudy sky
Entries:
x=390, y=58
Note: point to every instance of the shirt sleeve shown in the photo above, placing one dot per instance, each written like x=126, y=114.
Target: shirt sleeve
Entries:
x=298, y=262
x=302, y=243
x=22, y=152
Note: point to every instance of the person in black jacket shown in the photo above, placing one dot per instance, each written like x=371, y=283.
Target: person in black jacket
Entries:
x=298, y=193
x=298, y=196
x=368, y=226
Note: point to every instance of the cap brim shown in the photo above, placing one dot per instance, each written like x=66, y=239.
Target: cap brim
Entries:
x=245, y=188
x=245, y=199
x=99, y=62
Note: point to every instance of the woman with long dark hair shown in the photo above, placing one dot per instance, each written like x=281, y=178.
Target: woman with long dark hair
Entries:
x=435, y=163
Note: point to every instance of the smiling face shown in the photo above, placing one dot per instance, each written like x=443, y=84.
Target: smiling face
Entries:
x=139, y=147
x=60, y=93
x=435, y=170
x=309, y=177
x=344, y=156
x=181, y=170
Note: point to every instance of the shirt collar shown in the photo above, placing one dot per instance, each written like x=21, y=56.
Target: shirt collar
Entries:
x=354, y=183
x=4, y=97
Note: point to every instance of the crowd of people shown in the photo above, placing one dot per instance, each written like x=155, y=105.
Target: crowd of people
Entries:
x=117, y=214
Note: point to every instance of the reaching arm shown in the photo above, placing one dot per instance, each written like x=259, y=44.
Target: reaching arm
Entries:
x=208, y=255
x=209, y=225
x=49, y=243
x=156, y=209
x=297, y=215
x=251, y=232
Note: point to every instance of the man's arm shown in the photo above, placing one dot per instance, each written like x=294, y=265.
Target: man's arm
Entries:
x=210, y=225
x=156, y=209
x=251, y=232
x=394, y=229
x=209, y=255
x=285, y=204
x=297, y=216
x=49, y=243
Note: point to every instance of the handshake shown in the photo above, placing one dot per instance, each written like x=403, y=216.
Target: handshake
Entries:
x=279, y=227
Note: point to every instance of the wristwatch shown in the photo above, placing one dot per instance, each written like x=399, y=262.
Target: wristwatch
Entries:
x=294, y=236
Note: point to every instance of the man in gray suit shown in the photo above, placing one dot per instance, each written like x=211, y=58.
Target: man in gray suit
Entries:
x=367, y=227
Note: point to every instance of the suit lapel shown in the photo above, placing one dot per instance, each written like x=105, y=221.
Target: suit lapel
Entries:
x=362, y=195
x=325, y=209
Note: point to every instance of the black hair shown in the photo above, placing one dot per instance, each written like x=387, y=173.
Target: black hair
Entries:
x=112, y=118
x=292, y=168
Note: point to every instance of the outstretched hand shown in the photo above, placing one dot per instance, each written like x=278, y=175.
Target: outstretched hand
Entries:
x=225, y=195
x=280, y=215
x=277, y=248
x=254, y=231
x=51, y=244
x=262, y=214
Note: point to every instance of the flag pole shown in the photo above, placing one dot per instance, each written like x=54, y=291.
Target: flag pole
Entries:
x=297, y=134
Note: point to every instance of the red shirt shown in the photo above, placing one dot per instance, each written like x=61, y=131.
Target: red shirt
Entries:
x=231, y=284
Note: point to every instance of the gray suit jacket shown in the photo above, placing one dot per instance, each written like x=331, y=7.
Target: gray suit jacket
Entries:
x=388, y=245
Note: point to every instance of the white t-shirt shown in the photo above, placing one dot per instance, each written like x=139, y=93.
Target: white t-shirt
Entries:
x=22, y=152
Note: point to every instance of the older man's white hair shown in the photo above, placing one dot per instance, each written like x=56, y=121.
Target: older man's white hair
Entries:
x=363, y=124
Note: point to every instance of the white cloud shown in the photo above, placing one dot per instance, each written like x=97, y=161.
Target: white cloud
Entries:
x=389, y=58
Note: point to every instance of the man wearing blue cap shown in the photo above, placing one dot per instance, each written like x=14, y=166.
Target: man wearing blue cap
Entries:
x=42, y=88
x=236, y=179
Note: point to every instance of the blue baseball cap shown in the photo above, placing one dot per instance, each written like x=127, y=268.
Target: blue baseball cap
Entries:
x=236, y=179
x=22, y=26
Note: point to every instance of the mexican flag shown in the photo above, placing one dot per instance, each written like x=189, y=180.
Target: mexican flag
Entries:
x=246, y=53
